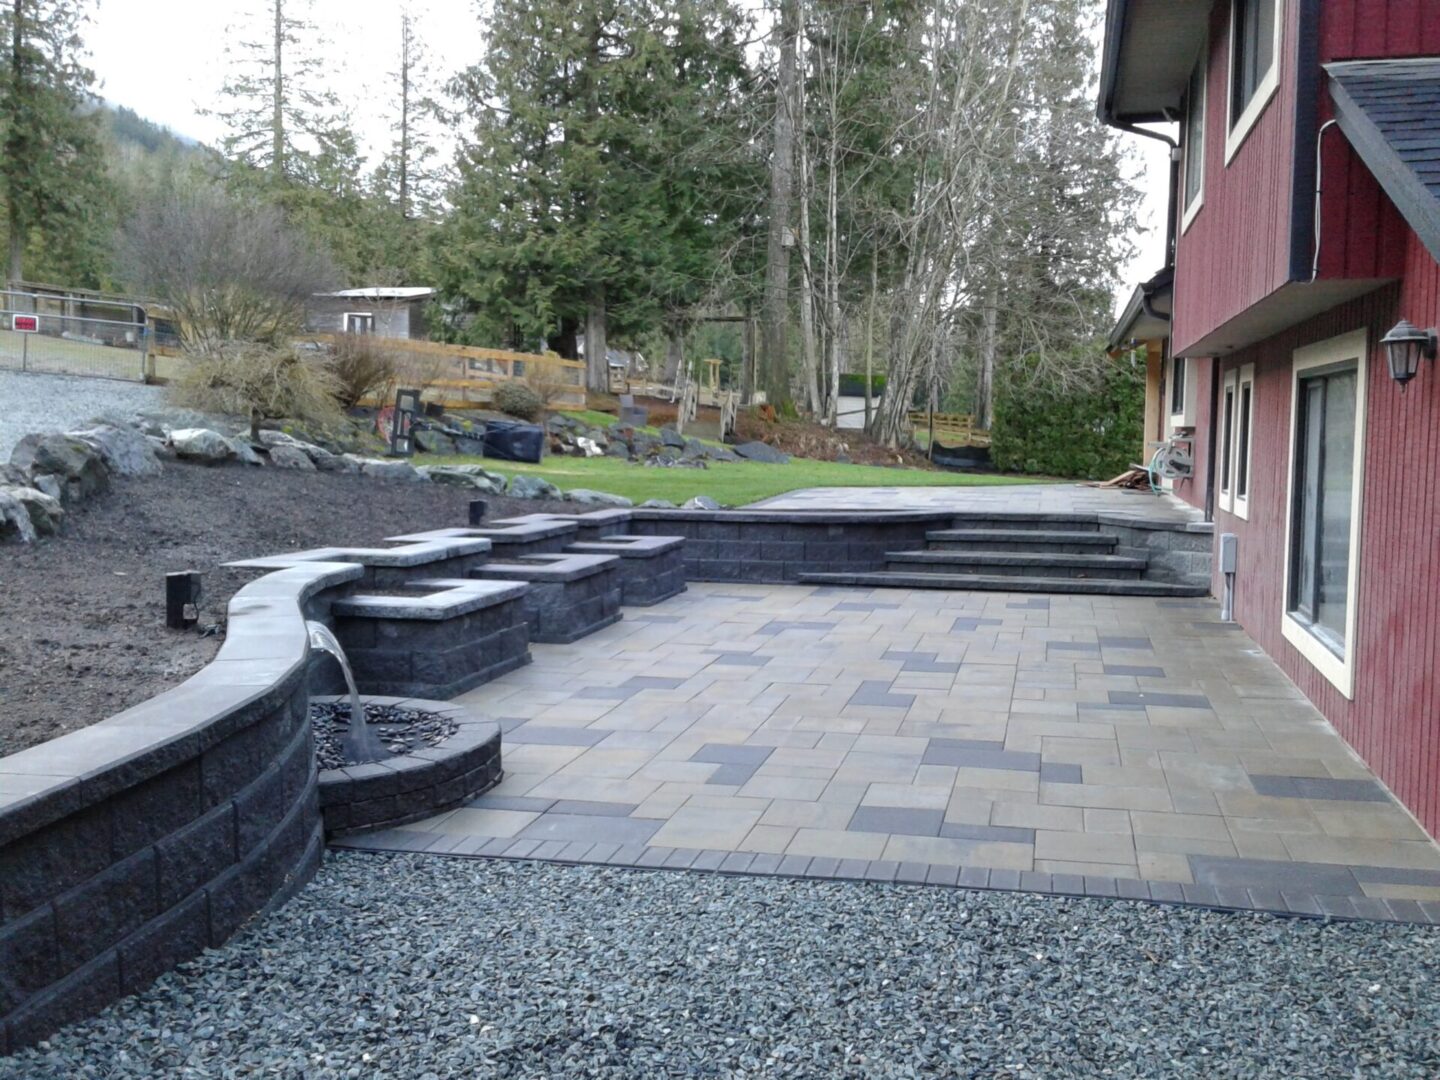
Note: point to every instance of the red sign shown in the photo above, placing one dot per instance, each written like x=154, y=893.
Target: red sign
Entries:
x=25, y=324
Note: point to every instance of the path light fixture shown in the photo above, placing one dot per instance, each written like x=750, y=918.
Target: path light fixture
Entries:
x=1404, y=345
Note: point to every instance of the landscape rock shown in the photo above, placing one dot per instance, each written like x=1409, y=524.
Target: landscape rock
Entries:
x=701, y=502
x=589, y=447
x=469, y=446
x=762, y=452
x=618, y=449
x=380, y=469
x=596, y=498
x=721, y=453
x=202, y=445
x=125, y=451
x=462, y=476
x=657, y=504
x=670, y=437
x=523, y=486
x=51, y=485
x=244, y=452
x=77, y=467
x=291, y=457
x=433, y=442
x=44, y=510
x=15, y=524
x=270, y=438
x=327, y=462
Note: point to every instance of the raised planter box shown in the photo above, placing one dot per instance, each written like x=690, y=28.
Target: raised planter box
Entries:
x=411, y=787
x=652, y=568
x=569, y=596
x=435, y=644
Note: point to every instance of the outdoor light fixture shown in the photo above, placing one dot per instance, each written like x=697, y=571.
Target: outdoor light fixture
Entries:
x=1404, y=345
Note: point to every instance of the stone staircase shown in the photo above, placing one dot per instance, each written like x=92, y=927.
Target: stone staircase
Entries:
x=1049, y=553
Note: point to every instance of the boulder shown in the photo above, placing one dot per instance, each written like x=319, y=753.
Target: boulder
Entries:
x=290, y=457
x=589, y=447
x=523, y=486
x=244, y=452
x=15, y=524
x=657, y=504
x=618, y=450
x=433, y=442
x=670, y=437
x=701, y=502
x=380, y=469
x=458, y=476
x=469, y=446
x=50, y=485
x=125, y=451
x=720, y=453
x=596, y=498
x=762, y=452
x=77, y=467
x=270, y=438
x=325, y=461
x=44, y=510
x=202, y=445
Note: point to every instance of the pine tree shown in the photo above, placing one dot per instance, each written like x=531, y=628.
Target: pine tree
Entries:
x=51, y=169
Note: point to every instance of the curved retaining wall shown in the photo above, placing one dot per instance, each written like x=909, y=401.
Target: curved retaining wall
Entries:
x=133, y=844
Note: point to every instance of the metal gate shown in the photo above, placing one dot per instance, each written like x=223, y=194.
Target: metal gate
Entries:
x=69, y=337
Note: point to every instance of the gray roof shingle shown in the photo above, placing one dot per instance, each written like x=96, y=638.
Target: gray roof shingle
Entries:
x=1390, y=112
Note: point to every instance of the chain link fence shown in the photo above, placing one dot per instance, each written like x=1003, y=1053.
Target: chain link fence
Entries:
x=70, y=337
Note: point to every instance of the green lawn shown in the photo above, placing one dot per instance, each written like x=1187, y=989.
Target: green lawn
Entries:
x=729, y=483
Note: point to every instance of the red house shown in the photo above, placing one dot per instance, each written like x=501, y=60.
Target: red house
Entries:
x=1304, y=230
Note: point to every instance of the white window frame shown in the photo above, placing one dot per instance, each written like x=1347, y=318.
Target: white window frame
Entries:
x=345, y=321
x=1237, y=131
x=1339, y=671
x=1231, y=501
x=1185, y=418
x=1195, y=155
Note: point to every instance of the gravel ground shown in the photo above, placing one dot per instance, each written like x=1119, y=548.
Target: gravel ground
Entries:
x=423, y=967
x=31, y=403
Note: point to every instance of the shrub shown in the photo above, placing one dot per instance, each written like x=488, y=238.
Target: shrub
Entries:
x=518, y=400
x=852, y=384
x=363, y=367
x=1092, y=433
x=260, y=382
x=549, y=379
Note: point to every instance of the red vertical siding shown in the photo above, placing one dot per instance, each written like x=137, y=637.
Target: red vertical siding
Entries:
x=1237, y=250
x=1394, y=719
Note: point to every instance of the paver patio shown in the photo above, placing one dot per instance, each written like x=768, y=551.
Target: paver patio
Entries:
x=1111, y=746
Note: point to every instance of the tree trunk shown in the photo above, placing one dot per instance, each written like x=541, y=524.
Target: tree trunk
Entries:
x=870, y=335
x=597, y=352
x=747, y=360
x=985, y=374
x=563, y=341
x=277, y=107
x=404, y=162
x=775, y=356
x=809, y=355
x=15, y=222
x=674, y=357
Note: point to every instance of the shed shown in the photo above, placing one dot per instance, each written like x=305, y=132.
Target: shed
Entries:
x=387, y=312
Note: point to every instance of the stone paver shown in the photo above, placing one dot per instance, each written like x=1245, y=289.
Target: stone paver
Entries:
x=1099, y=745
x=1007, y=498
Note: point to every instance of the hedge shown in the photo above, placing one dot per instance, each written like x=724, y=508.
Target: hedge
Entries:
x=1091, y=434
x=852, y=384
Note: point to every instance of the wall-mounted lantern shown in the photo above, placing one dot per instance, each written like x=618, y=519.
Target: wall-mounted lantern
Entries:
x=1404, y=345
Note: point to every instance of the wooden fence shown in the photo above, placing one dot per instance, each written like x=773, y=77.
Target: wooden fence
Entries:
x=951, y=429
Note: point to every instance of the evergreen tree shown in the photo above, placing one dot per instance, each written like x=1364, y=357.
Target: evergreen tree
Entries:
x=52, y=173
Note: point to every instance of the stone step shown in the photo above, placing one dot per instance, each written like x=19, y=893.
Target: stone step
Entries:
x=1016, y=564
x=1012, y=520
x=1063, y=543
x=988, y=583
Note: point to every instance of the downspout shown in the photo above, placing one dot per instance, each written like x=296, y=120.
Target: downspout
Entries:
x=1210, y=450
x=1173, y=201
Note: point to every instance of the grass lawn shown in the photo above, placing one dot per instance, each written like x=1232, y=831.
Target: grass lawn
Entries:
x=729, y=483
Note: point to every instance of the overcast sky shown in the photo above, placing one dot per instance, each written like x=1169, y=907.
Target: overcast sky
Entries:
x=166, y=60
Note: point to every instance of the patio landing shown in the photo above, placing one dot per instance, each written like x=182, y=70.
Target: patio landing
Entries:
x=1107, y=746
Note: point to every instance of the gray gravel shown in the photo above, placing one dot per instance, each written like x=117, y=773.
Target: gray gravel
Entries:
x=40, y=403
x=423, y=967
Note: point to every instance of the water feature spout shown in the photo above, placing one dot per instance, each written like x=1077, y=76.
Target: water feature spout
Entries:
x=360, y=741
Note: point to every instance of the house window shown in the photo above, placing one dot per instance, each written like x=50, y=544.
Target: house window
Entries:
x=1194, y=140
x=1235, y=420
x=1177, y=388
x=1327, y=440
x=359, y=322
x=1255, y=38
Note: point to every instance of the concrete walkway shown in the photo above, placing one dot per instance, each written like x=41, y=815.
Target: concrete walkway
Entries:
x=1111, y=746
x=1013, y=498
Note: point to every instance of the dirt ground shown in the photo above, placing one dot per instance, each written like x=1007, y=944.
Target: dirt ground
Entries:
x=82, y=614
x=804, y=438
